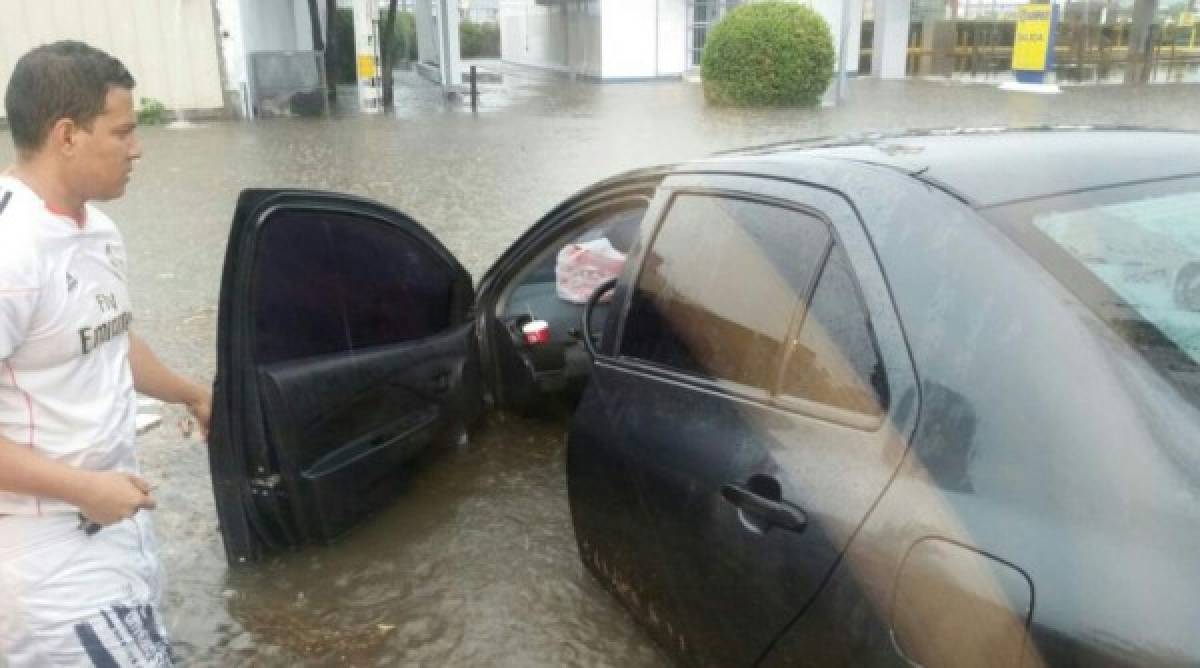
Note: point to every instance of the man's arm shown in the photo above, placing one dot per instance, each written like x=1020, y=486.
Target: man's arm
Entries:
x=103, y=497
x=153, y=378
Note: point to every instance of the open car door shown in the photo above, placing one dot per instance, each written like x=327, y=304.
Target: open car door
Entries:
x=345, y=346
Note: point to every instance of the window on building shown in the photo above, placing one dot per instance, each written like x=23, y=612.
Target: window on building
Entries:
x=720, y=286
x=701, y=16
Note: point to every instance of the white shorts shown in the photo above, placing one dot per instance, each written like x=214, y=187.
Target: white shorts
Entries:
x=70, y=599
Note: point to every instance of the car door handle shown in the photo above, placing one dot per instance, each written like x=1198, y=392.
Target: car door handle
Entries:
x=779, y=514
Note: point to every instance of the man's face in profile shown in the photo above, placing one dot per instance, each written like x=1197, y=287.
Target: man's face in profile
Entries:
x=103, y=154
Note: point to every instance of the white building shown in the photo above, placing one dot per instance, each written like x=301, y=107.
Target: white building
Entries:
x=635, y=39
x=252, y=27
x=638, y=39
x=271, y=47
x=170, y=47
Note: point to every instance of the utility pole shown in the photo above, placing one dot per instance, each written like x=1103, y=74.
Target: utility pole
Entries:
x=386, y=56
x=331, y=48
x=843, y=66
x=314, y=24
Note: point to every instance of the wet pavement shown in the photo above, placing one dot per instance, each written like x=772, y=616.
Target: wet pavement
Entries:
x=475, y=564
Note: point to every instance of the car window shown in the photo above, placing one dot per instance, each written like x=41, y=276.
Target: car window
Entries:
x=834, y=359
x=328, y=283
x=1132, y=255
x=618, y=227
x=720, y=285
x=1147, y=251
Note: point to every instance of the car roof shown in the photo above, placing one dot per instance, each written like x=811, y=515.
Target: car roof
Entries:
x=990, y=166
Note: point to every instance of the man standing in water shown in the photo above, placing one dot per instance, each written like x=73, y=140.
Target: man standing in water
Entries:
x=80, y=579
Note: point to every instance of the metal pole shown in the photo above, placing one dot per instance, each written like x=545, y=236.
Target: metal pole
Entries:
x=474, y=91
x=842, y=66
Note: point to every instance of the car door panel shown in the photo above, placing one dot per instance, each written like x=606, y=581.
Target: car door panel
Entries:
x=350, y=422
x=345, y=346
x=616, y=537
x=717, y=613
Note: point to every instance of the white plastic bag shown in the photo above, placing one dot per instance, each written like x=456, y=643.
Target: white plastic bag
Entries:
x=582, y=267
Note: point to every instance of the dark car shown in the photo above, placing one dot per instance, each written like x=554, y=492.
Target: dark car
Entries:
x=925, y=399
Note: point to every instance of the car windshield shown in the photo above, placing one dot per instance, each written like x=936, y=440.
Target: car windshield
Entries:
x=1132, y=254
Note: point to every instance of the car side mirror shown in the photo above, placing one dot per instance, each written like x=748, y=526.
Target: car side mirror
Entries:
x=586, y=320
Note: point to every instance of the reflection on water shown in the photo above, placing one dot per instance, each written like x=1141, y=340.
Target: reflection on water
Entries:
x=1069, y=76
x=474, y=565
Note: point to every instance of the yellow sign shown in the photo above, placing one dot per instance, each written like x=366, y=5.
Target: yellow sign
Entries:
x=366, y=67
x=1187, y=19
x=1032, y=44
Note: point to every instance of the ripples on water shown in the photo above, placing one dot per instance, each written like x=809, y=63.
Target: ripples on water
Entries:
x=475, y=564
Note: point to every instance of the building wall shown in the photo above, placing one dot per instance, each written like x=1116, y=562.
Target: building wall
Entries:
x=626, y=39
x=831, y=10
x=533, y=34
x=644, y=39
x=302, y=23
x=585, y=38
x=233, y=53
x=479, y=10
x=672, y=37
x=630, y=38
x=170, y=46
x=854, y=43
x=249, y=26
x=270, y=25
x=890, y=51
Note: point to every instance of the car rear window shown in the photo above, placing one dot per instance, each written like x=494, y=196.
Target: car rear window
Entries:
x=1132, y=255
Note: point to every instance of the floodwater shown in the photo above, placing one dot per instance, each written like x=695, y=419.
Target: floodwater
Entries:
x=475, y=564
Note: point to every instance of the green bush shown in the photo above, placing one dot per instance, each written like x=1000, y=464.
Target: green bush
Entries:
x=404, y=36
x=768, y=54
x=478, y=40
x=151, y=111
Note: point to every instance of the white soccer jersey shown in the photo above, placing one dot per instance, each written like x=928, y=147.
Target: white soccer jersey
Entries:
x=66, y=389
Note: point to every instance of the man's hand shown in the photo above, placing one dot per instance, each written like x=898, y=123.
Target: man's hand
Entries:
x=152, y=378
x=111, y=496
x=200, y=407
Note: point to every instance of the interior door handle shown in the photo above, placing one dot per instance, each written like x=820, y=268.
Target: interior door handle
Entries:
x=772, y=513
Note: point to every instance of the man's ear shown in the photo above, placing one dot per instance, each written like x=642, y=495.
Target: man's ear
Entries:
x=63, y=136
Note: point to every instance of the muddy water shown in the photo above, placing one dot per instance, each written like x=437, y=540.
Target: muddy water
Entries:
x=476, y=563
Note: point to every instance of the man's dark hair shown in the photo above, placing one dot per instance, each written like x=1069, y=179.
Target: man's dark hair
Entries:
x=65, y=79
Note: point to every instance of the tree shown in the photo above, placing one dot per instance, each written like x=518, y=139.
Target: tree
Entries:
x=479, y=40
x=386, y=53
x=403, y=39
